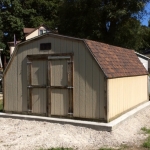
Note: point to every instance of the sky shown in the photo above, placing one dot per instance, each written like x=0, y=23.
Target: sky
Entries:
x=145, y=19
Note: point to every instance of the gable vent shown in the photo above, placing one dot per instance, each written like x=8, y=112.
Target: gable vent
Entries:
x=45, y=46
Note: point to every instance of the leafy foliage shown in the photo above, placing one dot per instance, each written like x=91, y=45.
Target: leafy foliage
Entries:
x=114, y=22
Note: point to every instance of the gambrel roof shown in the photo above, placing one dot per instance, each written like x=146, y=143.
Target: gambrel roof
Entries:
x=116, y=61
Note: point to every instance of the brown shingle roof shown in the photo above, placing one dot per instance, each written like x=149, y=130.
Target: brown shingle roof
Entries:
x=116, y=61
x=28, y=30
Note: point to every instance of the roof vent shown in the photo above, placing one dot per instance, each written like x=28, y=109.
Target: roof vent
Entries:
x=45, y=46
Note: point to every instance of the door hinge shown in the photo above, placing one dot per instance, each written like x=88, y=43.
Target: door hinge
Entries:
x=29, y=62
x=29, y=86
x=69, y=87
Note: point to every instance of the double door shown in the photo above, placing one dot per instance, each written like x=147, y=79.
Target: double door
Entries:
x=50, y=84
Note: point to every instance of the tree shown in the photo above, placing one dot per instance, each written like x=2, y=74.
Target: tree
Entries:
x=17, y=14
x=112, y=21
x=45, y=12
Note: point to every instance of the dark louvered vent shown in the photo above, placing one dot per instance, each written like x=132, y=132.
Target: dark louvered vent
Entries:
x=45, y=46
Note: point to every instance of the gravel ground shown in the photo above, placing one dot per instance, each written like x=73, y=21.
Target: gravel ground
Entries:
x=19, y=134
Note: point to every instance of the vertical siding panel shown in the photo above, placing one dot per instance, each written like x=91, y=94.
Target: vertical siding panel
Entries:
x=101, y=94
x=22, y=103
x=123, y=94
x=10, y=102
x=14, y=83
x=63, y=46
x=82, y=80
x=64, y=102
x=42, y=101
x=56, y=82
x=96, y=92
x=20, y=80
x=41, y=78
x=52, y=103
x=69, y=45
x=34, y=48
x=64, y=75
x=35, y=100
x=88, y=90
x=76, y=101
x=56, y=102
x=11, y=80
x=6, y=86
x=57, y=45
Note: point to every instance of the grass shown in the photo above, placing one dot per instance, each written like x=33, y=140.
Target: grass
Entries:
x=1, y=105
x=146, y=144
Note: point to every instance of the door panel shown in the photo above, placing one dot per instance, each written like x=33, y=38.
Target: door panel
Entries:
x=39, y=73
x=38, y=84
x=59, y=92
x=59, y=73
x=39, y=100
x=59, y=102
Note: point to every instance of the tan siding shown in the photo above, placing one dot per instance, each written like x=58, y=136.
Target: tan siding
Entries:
x=5, y=98
x=125, y=93
x=39, y=100
x=69, y=45
x=22, y=93
x=11, y=84
x=14, y=85
x=82, y=81
x=102, y=97
x=59, y=102
x=96, y=92
x=63, y=45
x=57, y=45
x=88, y=79
x=59, y=73
x=59, y=98
x=39, y=73
x=88, y=87
x=76, y=100
x=20, y=87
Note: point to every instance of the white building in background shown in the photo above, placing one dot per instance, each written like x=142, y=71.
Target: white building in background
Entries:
x=29, y=33
x=144, y=60
x=12, y=46
x=33, y=32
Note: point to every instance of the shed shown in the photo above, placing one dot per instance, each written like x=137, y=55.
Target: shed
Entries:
x=61, y=76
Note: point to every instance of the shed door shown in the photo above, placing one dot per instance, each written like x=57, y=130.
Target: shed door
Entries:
x=50, y=85
x=38, y=86
x=60, y=86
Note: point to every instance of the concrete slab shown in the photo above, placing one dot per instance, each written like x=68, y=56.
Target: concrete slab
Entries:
x=89, y=124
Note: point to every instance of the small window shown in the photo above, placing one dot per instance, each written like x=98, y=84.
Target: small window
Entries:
x=45, y=46
x=42, y=31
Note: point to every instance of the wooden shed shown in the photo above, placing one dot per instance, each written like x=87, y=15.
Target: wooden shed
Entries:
x=60, y=76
